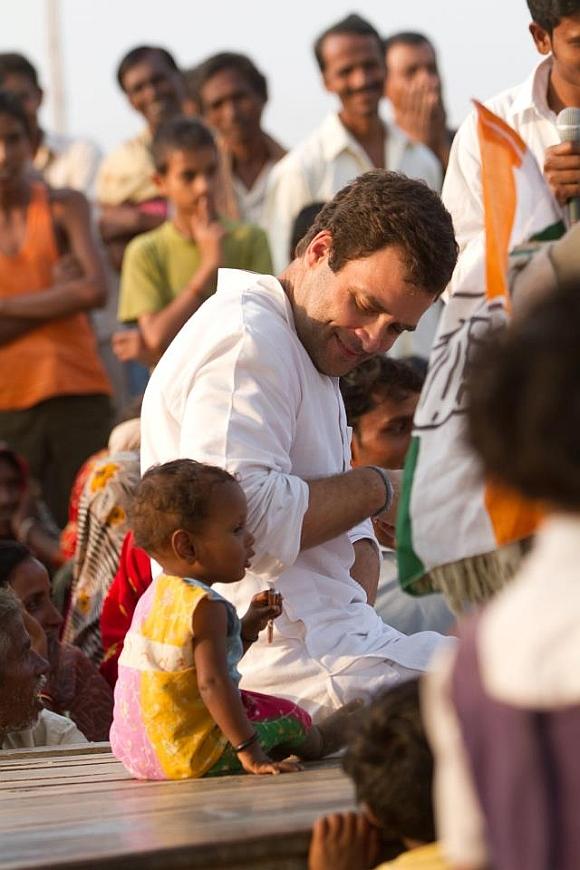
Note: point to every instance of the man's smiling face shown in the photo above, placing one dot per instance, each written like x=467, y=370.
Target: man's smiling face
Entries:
x=346, y=317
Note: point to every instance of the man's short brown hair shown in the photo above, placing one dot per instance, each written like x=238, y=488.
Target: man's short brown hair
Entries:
x=380, y=209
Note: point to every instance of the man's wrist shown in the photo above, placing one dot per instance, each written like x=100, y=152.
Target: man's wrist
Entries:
x=389, y=490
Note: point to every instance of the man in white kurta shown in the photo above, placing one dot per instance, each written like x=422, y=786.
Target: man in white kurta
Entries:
x=237, y=389
x=251, y=384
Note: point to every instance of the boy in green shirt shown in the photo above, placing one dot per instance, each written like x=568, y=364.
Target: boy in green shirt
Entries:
x=169, y=272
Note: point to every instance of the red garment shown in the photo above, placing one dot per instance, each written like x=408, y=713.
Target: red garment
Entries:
x=131, y=581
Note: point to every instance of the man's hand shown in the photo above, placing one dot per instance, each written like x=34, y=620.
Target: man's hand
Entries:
x=263, y=607
x=366, y=567
x=562, y=170
x=422, y=113
x=343, y=841
x=208, y=233
x=128, y=345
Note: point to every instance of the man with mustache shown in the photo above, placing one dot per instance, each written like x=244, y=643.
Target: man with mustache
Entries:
x=251, y=384
x=23, y=722
x=348, y=142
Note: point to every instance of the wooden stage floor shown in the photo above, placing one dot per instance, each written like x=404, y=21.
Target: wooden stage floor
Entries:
x=77, y=808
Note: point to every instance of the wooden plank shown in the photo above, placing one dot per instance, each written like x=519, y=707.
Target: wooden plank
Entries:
x=58, y=817
x=54, y=751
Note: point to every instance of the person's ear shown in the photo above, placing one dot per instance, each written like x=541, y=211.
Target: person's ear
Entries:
x=183, y=545
x=319, y=248
x=541, y=37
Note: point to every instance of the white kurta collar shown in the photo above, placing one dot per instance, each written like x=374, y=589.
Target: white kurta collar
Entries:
x=532, y=96
x=236, y=281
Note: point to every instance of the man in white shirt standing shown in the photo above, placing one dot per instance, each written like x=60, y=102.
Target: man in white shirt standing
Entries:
x=348, y=142
x=232, y=95
x=62, y=161
x=531, y=109
x=251, y=384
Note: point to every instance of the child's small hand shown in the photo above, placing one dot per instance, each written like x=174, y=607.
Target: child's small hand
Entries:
x=343, y=841
x=263, y=607
x=255, y=761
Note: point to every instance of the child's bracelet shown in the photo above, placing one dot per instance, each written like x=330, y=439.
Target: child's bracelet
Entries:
x=246, y=743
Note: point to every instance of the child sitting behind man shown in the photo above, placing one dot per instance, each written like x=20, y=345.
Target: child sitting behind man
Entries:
x=391, y=765
x=178, y=710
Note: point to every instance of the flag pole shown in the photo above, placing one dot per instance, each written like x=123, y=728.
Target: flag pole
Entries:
x=55, y=66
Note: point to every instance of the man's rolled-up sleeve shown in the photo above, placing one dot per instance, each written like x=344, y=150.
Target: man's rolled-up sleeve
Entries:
x=240, y=414
x=363, y=532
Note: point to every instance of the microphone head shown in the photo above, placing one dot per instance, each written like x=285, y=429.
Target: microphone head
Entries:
x=568, y=124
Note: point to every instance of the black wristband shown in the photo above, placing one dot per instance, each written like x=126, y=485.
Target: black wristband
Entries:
x=246, y=743
x=388, y=489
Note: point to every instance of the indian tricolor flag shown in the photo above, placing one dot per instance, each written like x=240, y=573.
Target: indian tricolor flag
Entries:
x=451, y=521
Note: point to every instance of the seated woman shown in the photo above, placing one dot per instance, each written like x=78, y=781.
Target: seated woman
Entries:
x=22, y=515
x=73, y=684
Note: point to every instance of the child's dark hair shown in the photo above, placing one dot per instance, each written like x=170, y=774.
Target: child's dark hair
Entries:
x=391, y=765
x=179, y=134
x=172, y=496
x=524, y=402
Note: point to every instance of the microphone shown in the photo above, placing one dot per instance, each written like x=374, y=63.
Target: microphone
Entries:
x=568, y=126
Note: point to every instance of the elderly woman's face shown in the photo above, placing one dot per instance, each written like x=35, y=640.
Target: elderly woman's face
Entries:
x=31, y=583
x=21, y=678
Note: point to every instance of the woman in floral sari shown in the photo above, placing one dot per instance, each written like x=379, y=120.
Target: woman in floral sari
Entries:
x=102, y=526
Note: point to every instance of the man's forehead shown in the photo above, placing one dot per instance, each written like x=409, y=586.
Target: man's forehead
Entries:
x=149, y=64
x=223, y=82
x=402, y=54
x=338, y=47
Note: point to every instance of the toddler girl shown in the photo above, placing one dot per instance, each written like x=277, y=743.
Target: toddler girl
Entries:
x=178, y=710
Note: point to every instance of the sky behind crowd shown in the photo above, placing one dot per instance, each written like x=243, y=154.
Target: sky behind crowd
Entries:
x=483, y=47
